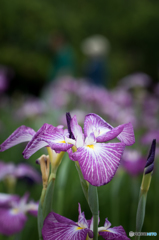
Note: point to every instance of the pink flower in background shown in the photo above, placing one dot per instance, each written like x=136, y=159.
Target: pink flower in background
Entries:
x=13, y=210
x=18, y=171
x=135, y=80
x=152, y=134
x=31, y=107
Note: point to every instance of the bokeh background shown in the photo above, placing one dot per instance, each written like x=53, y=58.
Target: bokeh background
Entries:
x=34, y=90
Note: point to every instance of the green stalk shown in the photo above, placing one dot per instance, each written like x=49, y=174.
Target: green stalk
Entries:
x=48, y=200
x=95, y=227
x=142, y=202
x=140, y=213
x=116, y=183
x=94, y=206
x=84, y=183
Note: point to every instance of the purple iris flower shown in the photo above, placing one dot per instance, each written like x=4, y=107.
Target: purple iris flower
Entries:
x=13, y=210
x=98, y=160
x=57, y=227
x=18, y=171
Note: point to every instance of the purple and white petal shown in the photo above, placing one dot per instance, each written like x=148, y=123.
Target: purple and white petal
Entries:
x=60, y=231
x=99, y=162
x=96, y=124
x=32, y=208
x=102, y=130
x=70, y=153
x=21, y=134
x=56, y=218
x=56, y=141
x=12, y=221
x=36, y=143
x=107, y=224
x=57, y=227
x=127, y=135
x=82, y=222
x=113, y=233
x=25, y=170
x=8, y=199
x=77, y=132
x=47, y=135
x=90, y=139
x=105, y=132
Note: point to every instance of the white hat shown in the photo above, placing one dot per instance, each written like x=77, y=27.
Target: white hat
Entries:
x=96, y=45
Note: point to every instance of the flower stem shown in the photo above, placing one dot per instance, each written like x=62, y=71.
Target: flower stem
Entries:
x=94, y=206
x=95, y=227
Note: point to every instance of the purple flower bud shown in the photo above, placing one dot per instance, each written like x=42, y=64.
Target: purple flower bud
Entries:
x=150, y=160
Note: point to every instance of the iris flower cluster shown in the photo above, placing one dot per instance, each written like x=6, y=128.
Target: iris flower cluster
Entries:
x=98, y=162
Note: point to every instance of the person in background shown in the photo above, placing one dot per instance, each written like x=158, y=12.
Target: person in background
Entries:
x=63, y=59
x=96, y=49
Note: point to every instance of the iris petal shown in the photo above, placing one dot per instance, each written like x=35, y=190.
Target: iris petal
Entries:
x=127, y=135
x=82, y=222
x=47, y=135
x=99, y=162
x=24, y=170
x=114, y=233
x=57, y=227
x=21, y=134
x=105, y=132
x=93, y=123
x=11, y=221
x=7, y=199
x=77, y=132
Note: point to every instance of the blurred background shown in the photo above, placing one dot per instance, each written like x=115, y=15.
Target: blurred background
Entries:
x=82, y=57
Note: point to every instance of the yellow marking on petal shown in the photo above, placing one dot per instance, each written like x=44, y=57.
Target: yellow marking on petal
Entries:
x=62, y=141
x=91, y=146
x=15, y=210
x=79, y=228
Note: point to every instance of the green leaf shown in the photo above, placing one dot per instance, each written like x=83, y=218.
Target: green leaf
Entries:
x=94, y=206
x=141, y=212
x=47, y=205
x=83, y=182
x=93, y=199
x=40, y=220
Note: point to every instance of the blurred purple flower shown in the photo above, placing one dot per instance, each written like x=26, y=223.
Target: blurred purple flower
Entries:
x=133, y=162
x=13, y=210
x=30, y=108
x=57, y=227
x=18, y=171
x=135, y=80
x=147, y=138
